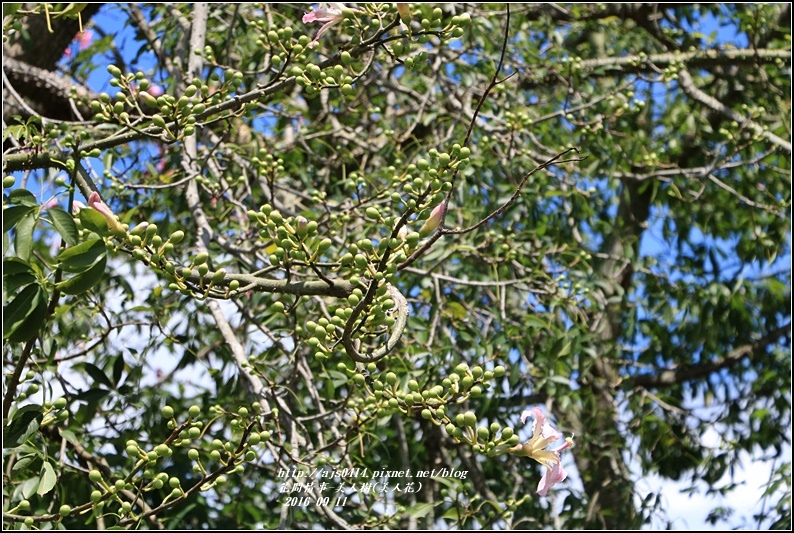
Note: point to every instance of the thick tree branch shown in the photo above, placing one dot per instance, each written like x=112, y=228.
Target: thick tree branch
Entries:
x=683, y=373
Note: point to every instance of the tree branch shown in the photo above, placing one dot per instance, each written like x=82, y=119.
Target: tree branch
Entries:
x=684, y=373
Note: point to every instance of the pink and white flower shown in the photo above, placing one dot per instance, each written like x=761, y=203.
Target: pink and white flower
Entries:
x=329, y=14
x=543, y=435
x=96, y=203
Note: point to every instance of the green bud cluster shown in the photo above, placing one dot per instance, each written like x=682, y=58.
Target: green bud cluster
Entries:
x=431, y=401
x=295, y=240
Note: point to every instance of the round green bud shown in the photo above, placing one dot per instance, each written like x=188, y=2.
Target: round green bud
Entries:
x=95, y=476
x=9, y=181
x=234, y=285
x=391, y=378
x=24, y=505
x=221, y=480
x=476, y=372
x=162, y=450
x=215, y=455
x=444, y=159
x=243, y=412
x=201, y=258
x=218, y=276
x=193, y=454
x=194, y=411
x=174, y=482
x=158, y=483
x=507, y=433
x=483, y=433
x=264, y=435
x=65, y=510
x=96, y=496
x=469, y=419
x=324, y=245
x=167, y=411
x=499, y=371
x=132, y=450
x=194, y=432
x=450, y=428
x=29, y=521
x=59, y=403
x=413, y=385
x=426, y=414
x=373, y=213
x=476, y=391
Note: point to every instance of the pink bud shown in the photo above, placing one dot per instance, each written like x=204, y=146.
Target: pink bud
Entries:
x=433, y=221
x=96, y=203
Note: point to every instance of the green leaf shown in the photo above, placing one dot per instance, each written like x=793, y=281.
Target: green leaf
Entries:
x=12, y=282
x=81, y=257
x=47, y=479
x=12, y=215
x=419, y=510
x=29, y=487
x=94, y=221
x=23, y=240
x=23, y=317
x=10, y=8
x=24, y=424
x=15, y=265
x=64, y=223
x=534, y=321
x=22, y=197
x=118, y=369
x=561, y=348
x=96, y=373
x=86, y=280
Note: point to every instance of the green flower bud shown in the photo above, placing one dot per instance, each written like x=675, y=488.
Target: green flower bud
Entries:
x=167, y=411
x=218, y=276
x=469, y=419
x=201, y=258
x=483, y=433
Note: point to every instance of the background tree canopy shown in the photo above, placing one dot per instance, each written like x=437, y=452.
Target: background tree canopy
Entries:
x=281, y=294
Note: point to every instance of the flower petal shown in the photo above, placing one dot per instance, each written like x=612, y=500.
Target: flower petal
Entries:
x=553, y=475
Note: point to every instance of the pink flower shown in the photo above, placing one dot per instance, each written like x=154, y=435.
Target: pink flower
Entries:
x=52, y=202
x=96, y=203
x=155, y=90
x=329, y=16
x=83, y=40
x=433, y=221
x=543, y=434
